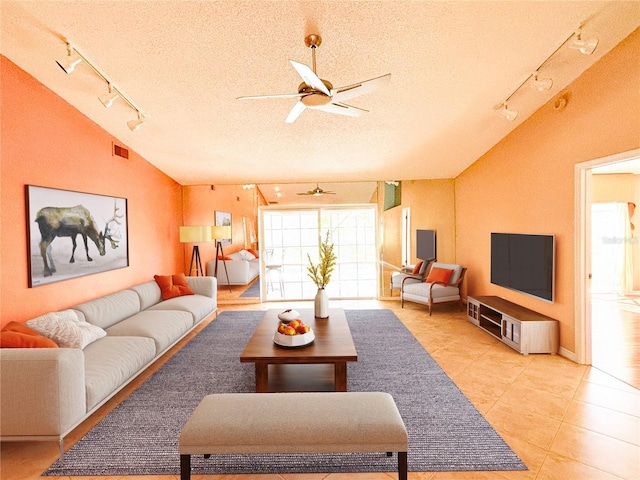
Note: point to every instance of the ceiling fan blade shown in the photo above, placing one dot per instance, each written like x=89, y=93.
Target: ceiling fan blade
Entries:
x=310, y=77
x=341, y=94
x=342, y=109
x=295, y=112
x=284, y=95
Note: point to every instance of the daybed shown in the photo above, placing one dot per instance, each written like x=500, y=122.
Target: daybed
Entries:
x=46, y=392
x=442, y=285
x=242, y=267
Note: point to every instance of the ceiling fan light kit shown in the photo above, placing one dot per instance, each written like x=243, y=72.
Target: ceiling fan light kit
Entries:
x=74, y=58
x=586, y=47
x=319, y=94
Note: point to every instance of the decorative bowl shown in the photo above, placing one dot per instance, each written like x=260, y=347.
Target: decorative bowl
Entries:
x=288, y=315
x=292, y=341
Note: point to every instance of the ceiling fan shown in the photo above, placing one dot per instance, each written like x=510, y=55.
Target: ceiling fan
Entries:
x=317, y=192
x=319, y=94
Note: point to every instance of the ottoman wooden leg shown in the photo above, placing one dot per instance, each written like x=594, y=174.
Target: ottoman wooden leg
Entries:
x=402, y=466
x=185, y=467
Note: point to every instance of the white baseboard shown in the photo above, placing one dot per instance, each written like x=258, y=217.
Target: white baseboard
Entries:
x=563, y=352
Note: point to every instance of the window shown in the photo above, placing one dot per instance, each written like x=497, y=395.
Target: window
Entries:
x=288, y=236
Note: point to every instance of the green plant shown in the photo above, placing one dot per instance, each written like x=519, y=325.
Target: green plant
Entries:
x=321, y=273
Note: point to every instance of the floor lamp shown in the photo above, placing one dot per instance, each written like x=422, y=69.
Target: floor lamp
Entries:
x=195, y=235
x=219, y=233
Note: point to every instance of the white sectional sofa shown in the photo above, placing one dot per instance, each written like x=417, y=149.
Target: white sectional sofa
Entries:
x=46, y=392
x=242, y=268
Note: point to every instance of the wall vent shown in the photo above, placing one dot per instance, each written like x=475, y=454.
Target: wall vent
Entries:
x=120, y=151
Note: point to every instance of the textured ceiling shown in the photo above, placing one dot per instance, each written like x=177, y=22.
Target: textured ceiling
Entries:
x=184, y=63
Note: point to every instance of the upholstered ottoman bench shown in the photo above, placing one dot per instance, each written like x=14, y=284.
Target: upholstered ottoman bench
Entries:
x=333, y=422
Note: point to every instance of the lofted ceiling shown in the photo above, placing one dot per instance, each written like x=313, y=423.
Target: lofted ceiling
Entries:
x=184, y=63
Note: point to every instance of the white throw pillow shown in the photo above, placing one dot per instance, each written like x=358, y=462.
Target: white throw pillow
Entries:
x=246, y=255
x=66, y=330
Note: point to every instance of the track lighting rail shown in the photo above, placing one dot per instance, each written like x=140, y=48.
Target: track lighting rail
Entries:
x=107, y=100
x=586, y=47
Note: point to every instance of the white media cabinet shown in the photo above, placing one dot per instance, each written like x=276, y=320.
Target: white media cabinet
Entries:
x=520, y=328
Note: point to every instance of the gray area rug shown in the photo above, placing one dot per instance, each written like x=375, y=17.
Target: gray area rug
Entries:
x=253, y=290
x=140, y=436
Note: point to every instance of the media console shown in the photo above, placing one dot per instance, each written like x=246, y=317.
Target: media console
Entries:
x=518, y=327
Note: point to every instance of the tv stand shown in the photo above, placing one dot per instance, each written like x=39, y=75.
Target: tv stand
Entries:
x=518, y=327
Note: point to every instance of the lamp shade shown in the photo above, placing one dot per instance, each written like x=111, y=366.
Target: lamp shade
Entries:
x=195, y=234
x=220, y=232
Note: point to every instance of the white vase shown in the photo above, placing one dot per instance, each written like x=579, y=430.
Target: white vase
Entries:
x=321, y=304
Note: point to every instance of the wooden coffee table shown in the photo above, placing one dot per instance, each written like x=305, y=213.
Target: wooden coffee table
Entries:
x=332, y=345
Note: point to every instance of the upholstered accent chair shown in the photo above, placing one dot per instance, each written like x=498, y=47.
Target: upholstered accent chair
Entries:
x=414, y=274
x=442, y=285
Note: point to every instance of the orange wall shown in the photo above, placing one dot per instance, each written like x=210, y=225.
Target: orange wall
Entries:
x=47, y=142
x=525, y=184
x=200, y=206
x=431, y=204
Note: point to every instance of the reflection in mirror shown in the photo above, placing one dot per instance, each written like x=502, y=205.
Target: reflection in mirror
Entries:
x=287, y=195
x=323, y=193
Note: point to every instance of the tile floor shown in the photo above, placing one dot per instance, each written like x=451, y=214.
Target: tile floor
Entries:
x=566, y=421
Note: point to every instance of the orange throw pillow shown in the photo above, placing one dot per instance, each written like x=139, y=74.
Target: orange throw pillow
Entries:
x=226, y=257
x=253, y=252
x=173, y=285
x=18, y=335
x=416, y=269
x=439, y=275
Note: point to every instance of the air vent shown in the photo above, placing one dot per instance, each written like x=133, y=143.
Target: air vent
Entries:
x=120, y=151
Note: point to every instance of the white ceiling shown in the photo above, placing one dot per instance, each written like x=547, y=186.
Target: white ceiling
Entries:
x=184, y=63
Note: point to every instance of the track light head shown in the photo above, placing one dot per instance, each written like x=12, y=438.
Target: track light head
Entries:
x=585, y=47
x=507, y=113
x=108, y=98
x=541, y=84
x=135, y=124
x=69, y=64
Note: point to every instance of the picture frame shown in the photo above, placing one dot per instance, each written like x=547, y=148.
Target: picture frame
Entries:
x=72, y=234
x=223, y=219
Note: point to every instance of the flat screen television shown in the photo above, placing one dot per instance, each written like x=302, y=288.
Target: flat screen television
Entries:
x=524, y=263
x=426, y=244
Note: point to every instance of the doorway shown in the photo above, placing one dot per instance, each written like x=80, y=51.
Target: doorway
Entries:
x=608, y=273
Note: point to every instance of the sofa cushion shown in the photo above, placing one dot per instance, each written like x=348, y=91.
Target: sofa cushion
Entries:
x=442, y=275
x=164, y=327
x=172, y=286
x=11, y=339
x=198, y=306
x=148, y=292
x=246, y=255
x=457, y=270
x=112, y=361
x=438, y=292
x=65, y=329
x=19, y=335
x=234, y=256
x=110, y=309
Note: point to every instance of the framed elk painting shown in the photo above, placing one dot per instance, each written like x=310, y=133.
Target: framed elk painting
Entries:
x=72, y=234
